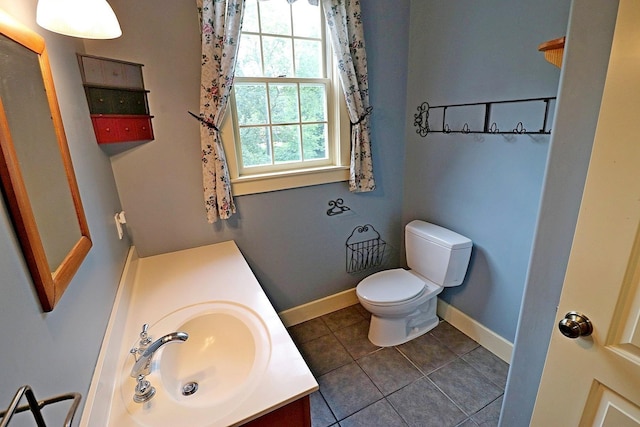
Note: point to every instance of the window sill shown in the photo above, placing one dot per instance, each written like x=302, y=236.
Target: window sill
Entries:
x=286, y=180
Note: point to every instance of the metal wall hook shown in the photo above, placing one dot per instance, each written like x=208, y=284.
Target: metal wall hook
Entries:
x=337, y=207
x=519, y=128
x=494, y=128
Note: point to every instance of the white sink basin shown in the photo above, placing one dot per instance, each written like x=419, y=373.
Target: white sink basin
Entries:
x=227, y=352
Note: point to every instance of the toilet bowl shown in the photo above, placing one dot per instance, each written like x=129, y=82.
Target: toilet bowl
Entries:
x=403, y=302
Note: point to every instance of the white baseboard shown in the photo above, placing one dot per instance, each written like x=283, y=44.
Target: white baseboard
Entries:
x=319, y=307
x=476, y=331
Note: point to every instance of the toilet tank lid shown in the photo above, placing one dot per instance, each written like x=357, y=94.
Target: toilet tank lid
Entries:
x=439, y=235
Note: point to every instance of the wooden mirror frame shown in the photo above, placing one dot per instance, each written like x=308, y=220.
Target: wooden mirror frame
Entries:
x=49, y=285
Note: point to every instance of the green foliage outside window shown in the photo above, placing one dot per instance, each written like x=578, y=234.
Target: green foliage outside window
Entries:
x=280, y=89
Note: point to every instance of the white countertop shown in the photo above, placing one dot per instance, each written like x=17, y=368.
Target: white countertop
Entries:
x=167, y=282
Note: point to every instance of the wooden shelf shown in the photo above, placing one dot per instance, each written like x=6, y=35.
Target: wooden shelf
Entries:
x=553, y=51
x=117, y=102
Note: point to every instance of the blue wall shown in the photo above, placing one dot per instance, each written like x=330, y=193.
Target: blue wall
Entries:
x=294, y=248
x=56, y=352
x=485, y=187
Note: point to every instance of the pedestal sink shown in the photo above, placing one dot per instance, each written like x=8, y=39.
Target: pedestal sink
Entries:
x=207, y=376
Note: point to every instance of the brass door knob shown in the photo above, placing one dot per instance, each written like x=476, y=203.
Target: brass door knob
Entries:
x=575, y=325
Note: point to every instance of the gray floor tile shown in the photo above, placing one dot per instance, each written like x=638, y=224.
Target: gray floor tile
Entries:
x=453, y=339
x=352, y=391
x=321, y=415
x=489, y=365
x=348, y=390
x=380, y=413
x=421, y=404
x=427, y=353
x=309, y=330
x=389, y=370
x=355, y=339
x=342, y=318
x=324, y=354
x=489, y=415
x=467, y=387
x=363, y=311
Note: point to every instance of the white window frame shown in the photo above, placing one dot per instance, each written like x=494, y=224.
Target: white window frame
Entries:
x=282, y=177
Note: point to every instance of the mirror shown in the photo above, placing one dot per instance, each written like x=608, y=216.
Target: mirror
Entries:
x=38, y=182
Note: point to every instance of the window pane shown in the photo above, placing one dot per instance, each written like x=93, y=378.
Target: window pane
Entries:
x=278, y=57
x=314, y=140
x=286, y=144
x=275, y=17
x=249, y=63
x=308, y=58
x=306, y=20
x=284, y=103
x=256, y=149
x=251, y=103
x=313, y=103
x=250, y=18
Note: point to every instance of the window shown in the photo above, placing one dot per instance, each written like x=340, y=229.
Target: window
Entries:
x=288, y=125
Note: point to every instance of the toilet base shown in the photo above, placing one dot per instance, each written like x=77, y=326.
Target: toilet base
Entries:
x=390, y=331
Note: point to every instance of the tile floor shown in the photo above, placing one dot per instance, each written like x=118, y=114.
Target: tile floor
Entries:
x=441, y=379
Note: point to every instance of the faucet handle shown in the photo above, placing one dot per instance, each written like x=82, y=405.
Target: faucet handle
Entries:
x=145, y=339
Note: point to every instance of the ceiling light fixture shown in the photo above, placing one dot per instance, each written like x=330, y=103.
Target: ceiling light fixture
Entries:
x=88, y=19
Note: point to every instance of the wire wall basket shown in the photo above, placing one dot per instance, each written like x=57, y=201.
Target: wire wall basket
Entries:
x=365, y=249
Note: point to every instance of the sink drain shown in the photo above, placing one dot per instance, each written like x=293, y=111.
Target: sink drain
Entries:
x=189, y=388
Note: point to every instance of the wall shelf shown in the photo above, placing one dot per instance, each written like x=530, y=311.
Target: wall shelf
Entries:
x=117, y=102
x=553, y=51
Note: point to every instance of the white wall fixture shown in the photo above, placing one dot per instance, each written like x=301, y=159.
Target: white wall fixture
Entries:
x=89, y=19
x=120, y=221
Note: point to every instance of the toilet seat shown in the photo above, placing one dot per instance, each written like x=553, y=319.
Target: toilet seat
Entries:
x=391, y=287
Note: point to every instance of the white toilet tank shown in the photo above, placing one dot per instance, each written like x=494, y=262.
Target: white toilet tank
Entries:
x=439, y=254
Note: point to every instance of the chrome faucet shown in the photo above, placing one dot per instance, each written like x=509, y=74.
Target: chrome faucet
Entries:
x=143, y=363
x=147, y=349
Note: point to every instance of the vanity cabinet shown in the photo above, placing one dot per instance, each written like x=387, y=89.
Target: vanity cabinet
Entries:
x=117, y=100
x=295, y=414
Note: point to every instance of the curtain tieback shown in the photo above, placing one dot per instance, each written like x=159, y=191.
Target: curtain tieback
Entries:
x=205, y=122
x=367, y=112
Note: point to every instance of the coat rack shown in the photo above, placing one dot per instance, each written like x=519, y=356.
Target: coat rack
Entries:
x=421, y=118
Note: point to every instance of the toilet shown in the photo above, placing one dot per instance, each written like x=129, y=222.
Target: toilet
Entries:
x=402, y=302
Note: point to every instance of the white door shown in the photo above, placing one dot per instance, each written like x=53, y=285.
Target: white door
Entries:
x=595, y=380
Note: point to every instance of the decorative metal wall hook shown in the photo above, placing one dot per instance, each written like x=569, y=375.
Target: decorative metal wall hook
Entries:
x=446, y=129
x=465, y=128
x=494, y=128
x=421, y=119
x=519, y=128
x=337, y=207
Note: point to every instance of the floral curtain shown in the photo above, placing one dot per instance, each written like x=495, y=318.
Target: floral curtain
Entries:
x=347, y=37
x=221, y=23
